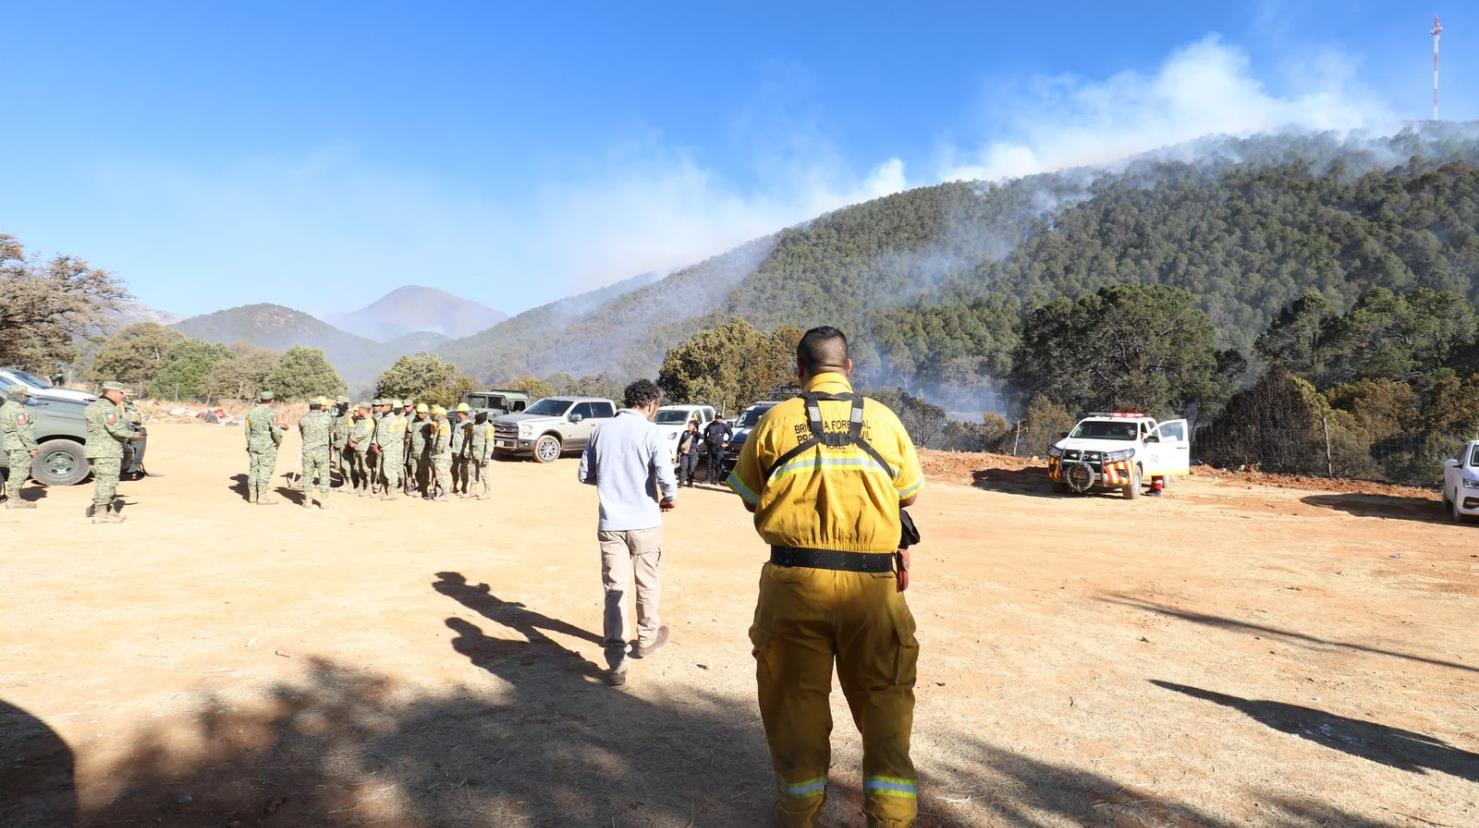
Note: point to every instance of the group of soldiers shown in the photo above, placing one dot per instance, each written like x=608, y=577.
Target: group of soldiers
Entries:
x=387, y=448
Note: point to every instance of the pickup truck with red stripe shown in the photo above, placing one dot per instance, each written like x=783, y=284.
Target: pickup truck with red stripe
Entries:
x=1119, y=451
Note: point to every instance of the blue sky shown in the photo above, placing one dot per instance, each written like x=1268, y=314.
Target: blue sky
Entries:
x=318, y=155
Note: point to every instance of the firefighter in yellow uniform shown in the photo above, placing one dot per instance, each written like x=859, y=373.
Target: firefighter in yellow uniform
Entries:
x=827, y=475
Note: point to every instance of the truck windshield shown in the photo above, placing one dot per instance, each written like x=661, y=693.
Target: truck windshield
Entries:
x=550, y=408
x=30, y=379
x=672, y=417
x=751, y=416
x=1104, y=430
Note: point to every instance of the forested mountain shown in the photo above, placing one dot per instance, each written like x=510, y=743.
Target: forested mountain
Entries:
x=626, y=334
x=507, y=349
x=415, y=309
x=934, y=281
x=278, y=328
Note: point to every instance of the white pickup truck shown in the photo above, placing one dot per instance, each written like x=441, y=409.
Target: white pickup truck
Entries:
x=1119, y=450
x=1461, y=482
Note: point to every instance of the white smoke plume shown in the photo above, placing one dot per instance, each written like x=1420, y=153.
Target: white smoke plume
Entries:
x=1205, y=88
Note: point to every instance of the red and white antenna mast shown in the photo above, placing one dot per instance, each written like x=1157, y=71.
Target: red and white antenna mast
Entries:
x=1437, y=30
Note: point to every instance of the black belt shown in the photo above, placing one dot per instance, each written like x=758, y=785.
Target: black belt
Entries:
x=832, y=559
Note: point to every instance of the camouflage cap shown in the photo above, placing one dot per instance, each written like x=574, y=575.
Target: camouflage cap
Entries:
x=362, y=404
x=378, y=401
x=437, y=409
x=463, y=407
x=421, y=408
x=341, y=401
x=16, y=392
x=113, y=386
x=395, y=403
x=265, y=396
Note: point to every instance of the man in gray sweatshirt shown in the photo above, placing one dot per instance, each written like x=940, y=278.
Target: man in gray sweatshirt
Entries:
x=627, y=463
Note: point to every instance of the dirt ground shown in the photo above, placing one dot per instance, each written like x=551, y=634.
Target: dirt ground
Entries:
x=1231, y=654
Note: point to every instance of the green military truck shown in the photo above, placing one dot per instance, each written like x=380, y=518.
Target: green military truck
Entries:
x=496, y=402
x=61, y=435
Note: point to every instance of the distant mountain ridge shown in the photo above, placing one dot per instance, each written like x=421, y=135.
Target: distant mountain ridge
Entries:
x=357, y=359
x=413, y=309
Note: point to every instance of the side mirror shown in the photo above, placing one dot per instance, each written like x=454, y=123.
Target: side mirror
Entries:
x=1451, y=462
x=575, y=418
x=1063, y=435
x=1152, y=439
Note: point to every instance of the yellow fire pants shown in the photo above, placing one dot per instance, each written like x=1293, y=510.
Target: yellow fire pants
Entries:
x=804, y=620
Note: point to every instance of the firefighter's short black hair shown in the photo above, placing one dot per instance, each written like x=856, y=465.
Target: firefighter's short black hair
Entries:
x=822, y=349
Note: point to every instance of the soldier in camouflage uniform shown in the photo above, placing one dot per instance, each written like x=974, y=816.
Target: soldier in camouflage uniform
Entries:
x=107, y=431
x=408, y=413
x=360, y=438
x=461, y=431
x=390, y=441
x=440, y=439
x=480, y=451
x=18, y=439
x=343, y=421
x=263, y=436
x=316, y=428
x=418, y=451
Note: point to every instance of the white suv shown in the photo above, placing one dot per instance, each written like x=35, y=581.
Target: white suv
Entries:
x=1119, y=450
x=1461, y=482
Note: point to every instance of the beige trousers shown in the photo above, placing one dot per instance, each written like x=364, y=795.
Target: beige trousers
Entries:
x=632, y=554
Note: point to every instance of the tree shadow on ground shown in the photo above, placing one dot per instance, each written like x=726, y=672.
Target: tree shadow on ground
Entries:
x=36, y=782
x=1382, y=506
x=1018, y=790
x=1308, y=642
x=345, y=748
x=1390, y=746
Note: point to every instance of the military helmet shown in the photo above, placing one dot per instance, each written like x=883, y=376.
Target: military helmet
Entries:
x=421, y=408
x=437, y=409
x=265, y=396
x=464, y=407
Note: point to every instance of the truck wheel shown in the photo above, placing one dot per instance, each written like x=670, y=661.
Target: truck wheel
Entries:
x=1059, y=487
x=1458, y=516
x=60, y=463
x=547, y=449
x=1132, y=491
